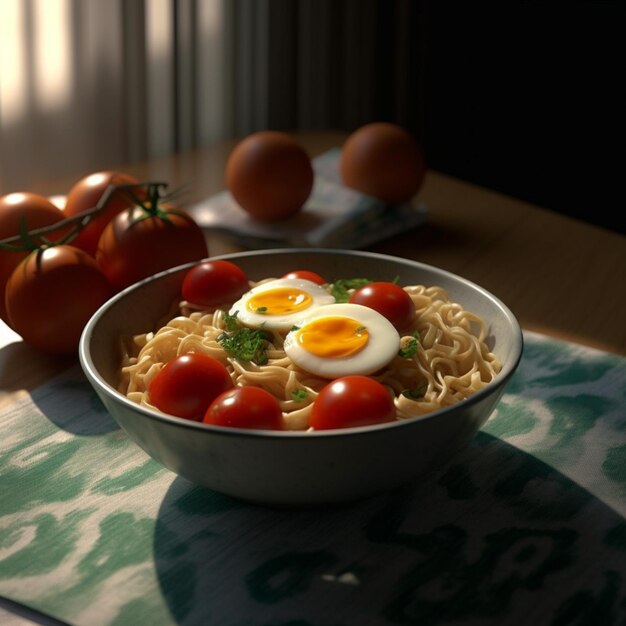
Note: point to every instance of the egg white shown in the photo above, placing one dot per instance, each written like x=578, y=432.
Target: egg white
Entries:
x=382, y=346
x=320, y=297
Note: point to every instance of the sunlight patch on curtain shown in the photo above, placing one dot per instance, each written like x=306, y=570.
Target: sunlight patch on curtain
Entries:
x=160, y=68
x=53, y=71
x=88, y=85
x=13, y=96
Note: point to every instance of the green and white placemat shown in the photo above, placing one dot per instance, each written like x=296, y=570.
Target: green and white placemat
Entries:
x=525, y=526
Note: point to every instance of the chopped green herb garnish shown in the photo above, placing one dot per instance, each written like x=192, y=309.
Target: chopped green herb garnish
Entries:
x=360, y=329
x=294, y=328
x=245, y=344
x=231, y=322
x=342, y=287
x=261, y=309
x=299, y=394
x=411, y=346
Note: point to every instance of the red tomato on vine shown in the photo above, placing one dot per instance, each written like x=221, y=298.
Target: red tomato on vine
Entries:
x=51, y=295
x=88, y=192
x=19, y=213
x=147, y=239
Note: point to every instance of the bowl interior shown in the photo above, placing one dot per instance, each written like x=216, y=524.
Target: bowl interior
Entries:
x=144, y=306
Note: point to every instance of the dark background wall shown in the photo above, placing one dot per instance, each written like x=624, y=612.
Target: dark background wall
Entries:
x=523, y=97
x=528, y=98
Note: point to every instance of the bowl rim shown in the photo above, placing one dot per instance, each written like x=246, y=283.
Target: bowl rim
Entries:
x=104, y=387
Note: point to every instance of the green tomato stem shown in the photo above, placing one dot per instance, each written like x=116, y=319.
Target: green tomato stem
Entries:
x=29, y=240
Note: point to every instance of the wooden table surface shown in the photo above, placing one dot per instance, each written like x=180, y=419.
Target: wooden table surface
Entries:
x=559, y=276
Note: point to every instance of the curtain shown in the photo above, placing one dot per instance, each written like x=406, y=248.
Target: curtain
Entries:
x=88, y=84
x=320, y=64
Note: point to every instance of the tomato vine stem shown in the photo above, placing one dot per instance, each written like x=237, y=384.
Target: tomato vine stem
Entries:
x=30, y=240
x=151, y=206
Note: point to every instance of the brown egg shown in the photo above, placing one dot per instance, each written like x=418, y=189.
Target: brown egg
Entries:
x=270, y=175
x=383, y=160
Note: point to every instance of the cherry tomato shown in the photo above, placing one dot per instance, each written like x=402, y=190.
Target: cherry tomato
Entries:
x=390, y=300
x=307, y=275
x=186, y=385
x=245, y=407
x=135, y=244
x=87, y=192
x=270, y=175
x=351, y=401
x=212, y=283
x=51, y=295
x=36, y=212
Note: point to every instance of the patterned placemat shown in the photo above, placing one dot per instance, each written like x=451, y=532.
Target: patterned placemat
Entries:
x=525, y=526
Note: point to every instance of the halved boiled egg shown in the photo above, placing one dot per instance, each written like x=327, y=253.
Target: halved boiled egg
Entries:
x=281, y=303
x=343, y=339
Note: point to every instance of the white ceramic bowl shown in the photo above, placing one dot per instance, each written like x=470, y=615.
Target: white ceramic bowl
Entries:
x=297, y=468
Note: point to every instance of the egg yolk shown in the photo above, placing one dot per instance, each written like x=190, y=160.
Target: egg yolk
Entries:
x=333, y=337
x=280, y=301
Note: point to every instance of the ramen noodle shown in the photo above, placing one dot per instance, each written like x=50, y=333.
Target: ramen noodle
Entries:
x=449, y=362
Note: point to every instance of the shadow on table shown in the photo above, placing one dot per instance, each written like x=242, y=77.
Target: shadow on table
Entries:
x=16, y=372
x=497, y=537
x=70, y=402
